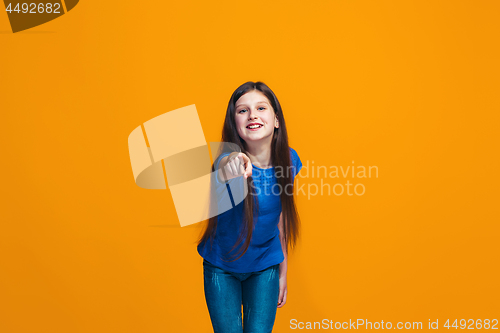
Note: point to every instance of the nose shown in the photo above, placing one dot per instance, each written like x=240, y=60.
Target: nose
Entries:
x=252, y=114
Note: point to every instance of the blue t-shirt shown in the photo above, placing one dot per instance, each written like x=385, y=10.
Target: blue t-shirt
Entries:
x=265, y=245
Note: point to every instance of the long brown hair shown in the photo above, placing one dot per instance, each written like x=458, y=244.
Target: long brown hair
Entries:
x=280, y=159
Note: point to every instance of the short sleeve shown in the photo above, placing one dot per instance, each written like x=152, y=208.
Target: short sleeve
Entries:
x=216, y=167
x=296, y=162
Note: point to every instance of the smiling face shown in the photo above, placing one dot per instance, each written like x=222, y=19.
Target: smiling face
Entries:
x=255, y=118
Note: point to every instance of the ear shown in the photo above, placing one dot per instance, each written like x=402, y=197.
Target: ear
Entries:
x=276, y=123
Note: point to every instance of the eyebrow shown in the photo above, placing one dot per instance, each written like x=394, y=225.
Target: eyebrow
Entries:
x=257, y=103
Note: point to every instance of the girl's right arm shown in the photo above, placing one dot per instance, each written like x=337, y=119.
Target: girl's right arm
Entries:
x=235, y=165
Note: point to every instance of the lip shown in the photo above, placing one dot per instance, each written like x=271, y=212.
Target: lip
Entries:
x=254, y=129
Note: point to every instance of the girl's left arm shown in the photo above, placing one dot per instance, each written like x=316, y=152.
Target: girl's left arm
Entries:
x=283, y=266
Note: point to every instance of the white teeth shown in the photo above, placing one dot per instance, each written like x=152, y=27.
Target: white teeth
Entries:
x=254, y=126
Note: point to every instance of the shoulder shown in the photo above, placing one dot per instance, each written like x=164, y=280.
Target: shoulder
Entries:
x=294, y=156
x=296, y=162
x=293, y=153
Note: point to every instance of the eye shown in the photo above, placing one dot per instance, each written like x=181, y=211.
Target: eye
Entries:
x=262, y=108
x=242, y=110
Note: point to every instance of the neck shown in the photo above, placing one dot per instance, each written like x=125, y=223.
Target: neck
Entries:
x=260, y=153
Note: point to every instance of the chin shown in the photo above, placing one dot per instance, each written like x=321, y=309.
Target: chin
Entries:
x=257, y=138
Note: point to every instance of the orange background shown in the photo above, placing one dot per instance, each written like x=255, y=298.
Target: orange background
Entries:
x=409, y=86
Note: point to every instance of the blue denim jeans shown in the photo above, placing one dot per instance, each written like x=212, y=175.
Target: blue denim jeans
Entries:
x=226, y=292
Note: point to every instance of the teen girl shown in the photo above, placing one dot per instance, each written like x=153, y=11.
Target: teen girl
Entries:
x=245, y=248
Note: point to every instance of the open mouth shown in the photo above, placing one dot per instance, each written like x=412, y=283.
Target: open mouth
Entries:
x=254, y=126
